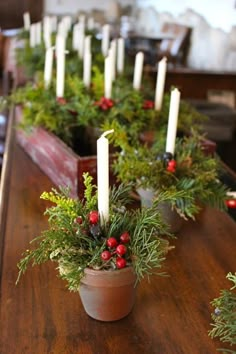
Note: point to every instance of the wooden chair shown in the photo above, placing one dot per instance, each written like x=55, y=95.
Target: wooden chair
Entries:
x=173, y=43
x=175, y=48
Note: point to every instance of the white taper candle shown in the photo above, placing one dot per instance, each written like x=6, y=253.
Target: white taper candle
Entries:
x=112, y=54
x=103, y=177
x=60, y=55
x=48, y=66
x=26, y=19
x=32, y=39
x=120, y=55
x=160, y=83
x=138, y=70
x=108, y=77
x=87, y=69
x=172, y=121
x=47, y=31
x=105, y=39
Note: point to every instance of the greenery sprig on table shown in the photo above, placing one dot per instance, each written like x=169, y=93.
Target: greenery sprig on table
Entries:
x=76, y=238
x=224, y=316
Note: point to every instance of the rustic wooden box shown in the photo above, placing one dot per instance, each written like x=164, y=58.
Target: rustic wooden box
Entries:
x=56, y=159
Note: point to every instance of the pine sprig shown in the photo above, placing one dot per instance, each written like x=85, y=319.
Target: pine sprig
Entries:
x=224, y=317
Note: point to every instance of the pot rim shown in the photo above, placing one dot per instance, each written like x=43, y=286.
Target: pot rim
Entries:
x=109, y=278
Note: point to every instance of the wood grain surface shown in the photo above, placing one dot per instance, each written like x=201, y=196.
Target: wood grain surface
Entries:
x=171, y=314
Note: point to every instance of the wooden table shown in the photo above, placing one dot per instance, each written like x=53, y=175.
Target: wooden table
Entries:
x=171, y=314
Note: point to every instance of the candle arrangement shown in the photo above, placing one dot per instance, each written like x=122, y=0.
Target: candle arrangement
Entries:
x=128, y=244
x=105, y=100
x=104, y=233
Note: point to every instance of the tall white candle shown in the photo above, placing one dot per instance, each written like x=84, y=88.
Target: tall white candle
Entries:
x=103, y=176
x=38, y=28
x=105, y=39
x=87, y=44
x=48, y=67
x=47, y=30
x=87, y=69
x=120, y=55
x=160, y=83
x=112, y=54
x=62, y=28
x=90, y=24
x=172, y=121
x=53, y=23
x=32, y=38
x=108, y=77
x=75, y=37
x=60, y=55
x=138, y=70
x=67, y=20
x=81, y=41
x=26, y=19
x=82, y=20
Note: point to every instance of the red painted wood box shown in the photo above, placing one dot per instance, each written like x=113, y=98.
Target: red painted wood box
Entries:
x=62, y=165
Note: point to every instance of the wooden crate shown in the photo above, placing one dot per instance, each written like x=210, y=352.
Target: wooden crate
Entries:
x=62, y=165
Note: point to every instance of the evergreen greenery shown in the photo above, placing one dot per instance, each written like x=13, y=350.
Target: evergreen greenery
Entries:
x=32, y=59
x=224, y=316
x=196, y=174
x=74, y=243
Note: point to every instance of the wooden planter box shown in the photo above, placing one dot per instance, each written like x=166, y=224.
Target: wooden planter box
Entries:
x=62, y=165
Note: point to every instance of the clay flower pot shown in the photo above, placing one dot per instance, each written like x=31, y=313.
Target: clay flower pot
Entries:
x=108, y=295
x=170, y=216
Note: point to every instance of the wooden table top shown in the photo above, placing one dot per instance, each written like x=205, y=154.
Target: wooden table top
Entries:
x=171, y=315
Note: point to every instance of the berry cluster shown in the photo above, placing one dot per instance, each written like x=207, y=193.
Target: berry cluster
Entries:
x=94, y=227
x=147, y=104
x=169, y=162
x=117, y=249
x=104, y=103
x=61, y=100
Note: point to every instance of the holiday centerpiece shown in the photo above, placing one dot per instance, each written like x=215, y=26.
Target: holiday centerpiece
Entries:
x=171, y=163
x=189, y=170
x=102, y=244
x=224, y=316
x=76, y=110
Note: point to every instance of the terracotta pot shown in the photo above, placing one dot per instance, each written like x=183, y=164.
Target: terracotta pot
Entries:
x=108, y=295
x=170, y=216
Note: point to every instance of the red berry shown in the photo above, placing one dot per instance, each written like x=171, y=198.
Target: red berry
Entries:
x=106, y=255
x=61, y=100
x=120, y=262
x=112, y=242
x=78, y=220
x=93, y=217
x=231, y=203
x=121, y=249
x=170, y=169
x=125, y=237
x=172, y=163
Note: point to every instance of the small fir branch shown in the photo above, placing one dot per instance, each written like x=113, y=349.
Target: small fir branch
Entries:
x=90, y=194
x=224, y=317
